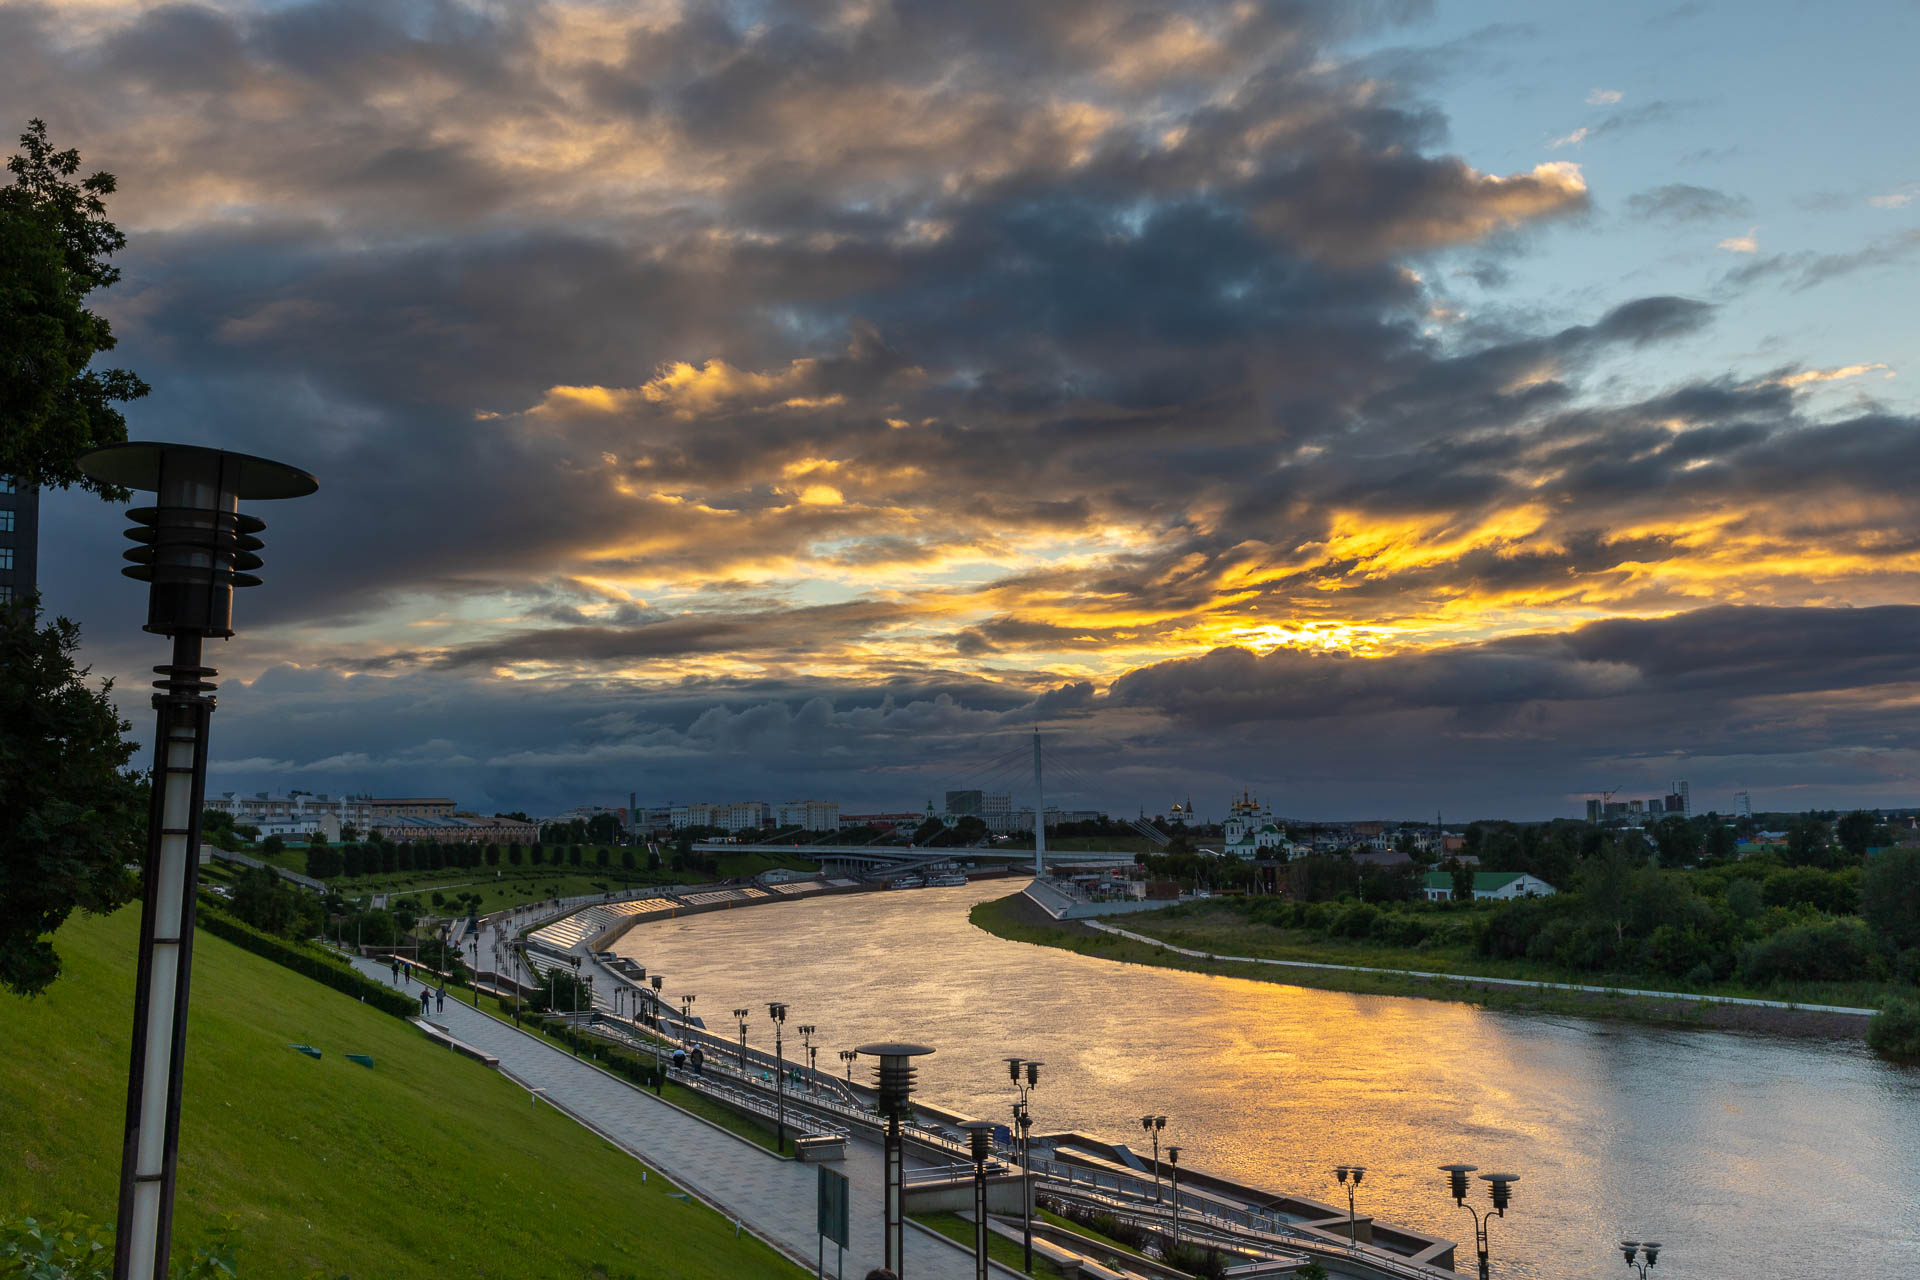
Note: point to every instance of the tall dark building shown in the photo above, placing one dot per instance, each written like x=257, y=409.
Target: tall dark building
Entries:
x=19, y=539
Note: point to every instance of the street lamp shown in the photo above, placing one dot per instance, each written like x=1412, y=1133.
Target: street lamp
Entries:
x=893, y=1080
x=654, y=983
x=1152, y=1125
x=778, y=1012
x=1499, y=1190
x=1630, y=1247
x=847, y=1056
x=1173, y=1176
x=979, y=1146
x=806, y=1047
x=194, y=548
x=1356, y=1172
x=1025, y=1074
x=741, y=1014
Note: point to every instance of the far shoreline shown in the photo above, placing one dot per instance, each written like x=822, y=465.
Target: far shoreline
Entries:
x=1018, y=918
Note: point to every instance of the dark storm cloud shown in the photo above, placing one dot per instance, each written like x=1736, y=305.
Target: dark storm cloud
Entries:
x=1040, y=330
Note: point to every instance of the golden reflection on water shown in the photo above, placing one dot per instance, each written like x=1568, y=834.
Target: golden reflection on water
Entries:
x=1737, y=1151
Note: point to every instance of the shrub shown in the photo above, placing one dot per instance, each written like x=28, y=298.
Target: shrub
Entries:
x=1890, y=897
x=1895, y=1030
x=72, y=1247
x=307, y=963
x=1837, y=951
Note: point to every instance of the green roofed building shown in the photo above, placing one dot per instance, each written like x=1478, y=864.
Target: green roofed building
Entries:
x=1494, y=885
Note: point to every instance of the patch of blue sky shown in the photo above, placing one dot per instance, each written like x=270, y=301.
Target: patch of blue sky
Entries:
x=1799, y=113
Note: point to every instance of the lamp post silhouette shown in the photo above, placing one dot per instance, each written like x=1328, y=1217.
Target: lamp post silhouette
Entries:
x=1153, y=1125
x=1628, y=1248
x=778, y=1012
x=847, y=1056
x=979, y=1146
x=893, y=1080
x=1025, y=1075
x=1499, y=1190
x=1356, y=1172
x=741, y=1016
x=194, y=547
x=654, y=983
x=1173, y=1175
x=806, y=1048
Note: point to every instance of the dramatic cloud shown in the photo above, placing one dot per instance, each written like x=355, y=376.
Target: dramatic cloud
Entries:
x=709, y=399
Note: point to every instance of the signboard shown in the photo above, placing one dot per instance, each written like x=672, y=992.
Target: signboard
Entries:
x=833, y=1213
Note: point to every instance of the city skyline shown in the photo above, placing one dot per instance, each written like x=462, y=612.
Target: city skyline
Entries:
x=1461, y=408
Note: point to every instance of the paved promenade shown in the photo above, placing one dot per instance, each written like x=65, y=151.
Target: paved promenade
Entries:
x=774, y=1198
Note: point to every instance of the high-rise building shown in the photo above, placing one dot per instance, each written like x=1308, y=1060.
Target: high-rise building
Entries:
x=1742, y=805
x=19, y=539
x=1594, y=811
x=1685, y=796
x=966, y=804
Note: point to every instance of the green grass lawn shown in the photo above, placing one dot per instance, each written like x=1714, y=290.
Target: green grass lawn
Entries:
x=1008, y=1253
x=429, y=1165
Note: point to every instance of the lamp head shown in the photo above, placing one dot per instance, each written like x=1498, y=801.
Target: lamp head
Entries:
x=1457, y=1180
x=1628, y=1250
x=1013, y=1070
x=776, y=1011
x=1341, y=1174
x=1500, y=1188
x=893, y=1078
x=1173, y=1156
x=979, y=1139
x=1652, y=1248
x=194, y=545
x=1359, y=1171
x=1159, y=1122
x=1033, y=1072
x=657, y=981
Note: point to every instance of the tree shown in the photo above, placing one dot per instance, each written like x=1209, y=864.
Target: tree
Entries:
x=71, y=814
x=1807, y=843
x=573, y=854
x=272, y=845
x=1890, y=897
x=1462, y=882
x=601, y=856
x=349, y=832
x=353, y=860
x=54, y=242
x=626, y=858
x=513, y=854
x=1855, y=833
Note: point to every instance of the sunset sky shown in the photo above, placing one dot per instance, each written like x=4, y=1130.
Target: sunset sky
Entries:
x=1386, y=407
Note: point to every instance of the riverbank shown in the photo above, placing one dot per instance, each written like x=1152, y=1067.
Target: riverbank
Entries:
x=1019, y=919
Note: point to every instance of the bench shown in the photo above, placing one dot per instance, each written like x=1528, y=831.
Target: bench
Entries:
x=812, y=1148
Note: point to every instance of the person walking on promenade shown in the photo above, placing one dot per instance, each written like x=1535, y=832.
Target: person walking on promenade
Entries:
x=699, y=1060
x=440, y=1000
x=679, y=1058
x=426, y=1002
x=396, y=971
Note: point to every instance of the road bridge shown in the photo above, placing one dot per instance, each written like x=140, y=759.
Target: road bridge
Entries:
x=892, y=854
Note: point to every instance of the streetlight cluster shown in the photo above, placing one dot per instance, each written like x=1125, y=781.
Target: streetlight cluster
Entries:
x=1025, y=1074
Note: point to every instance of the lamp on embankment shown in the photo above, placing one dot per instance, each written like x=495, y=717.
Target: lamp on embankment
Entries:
x=1628, y=1248
x=1025, y=1074
x=893, y=1080
x=654, y=983
x=806, y=1048
x=1173, y=1176
x=1152, y=1125
x=194, y=548
x=778, y=1012
x=741, y=1015
x=1499, y=1191
x=847, y=1056
x=1343, y=1173
x=979, y=1146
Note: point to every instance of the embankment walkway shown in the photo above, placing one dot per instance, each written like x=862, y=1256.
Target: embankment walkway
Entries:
x=771, y=1197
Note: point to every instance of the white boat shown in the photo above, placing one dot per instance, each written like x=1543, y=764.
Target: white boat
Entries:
x=947, y=881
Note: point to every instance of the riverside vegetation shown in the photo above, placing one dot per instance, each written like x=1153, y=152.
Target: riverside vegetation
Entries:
x=1837, y=932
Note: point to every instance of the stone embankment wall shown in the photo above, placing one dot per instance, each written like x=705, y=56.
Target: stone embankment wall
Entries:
x=1062, y=905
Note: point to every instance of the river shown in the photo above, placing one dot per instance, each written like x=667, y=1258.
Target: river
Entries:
x=1745, y=1155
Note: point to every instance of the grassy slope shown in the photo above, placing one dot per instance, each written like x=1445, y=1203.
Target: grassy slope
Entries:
x=1016, y=918
x=1008, y=1253
x=427, y=1166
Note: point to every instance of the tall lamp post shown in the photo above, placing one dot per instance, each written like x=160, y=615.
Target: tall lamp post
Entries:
x=194, y=548
x=1173, y=1176
x=778, y=1012
x=893, y=1079
x=847, y=1056
x=741, y=1015
x=654, y=983
x=979, y=1146
x=1152, y=1125
x=1356, y=1172
x=1628, y=1248
x=1025, y=1075
x=806, y=1048
x=1499, y=1190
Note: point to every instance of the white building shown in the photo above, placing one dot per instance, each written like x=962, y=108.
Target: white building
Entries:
x=1496, y=886
x=743, y=815
x=1251, y=831
x=809, y=815
x=692, y=815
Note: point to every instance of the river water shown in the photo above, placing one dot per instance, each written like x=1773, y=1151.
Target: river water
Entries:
x=1745, y=1155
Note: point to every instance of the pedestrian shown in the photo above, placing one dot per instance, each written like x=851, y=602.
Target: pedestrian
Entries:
x=679, y=1058
x=881, y=1273
x=396, y=970
x=440, y=1000
x=699, y=1060
x=426, y=1002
